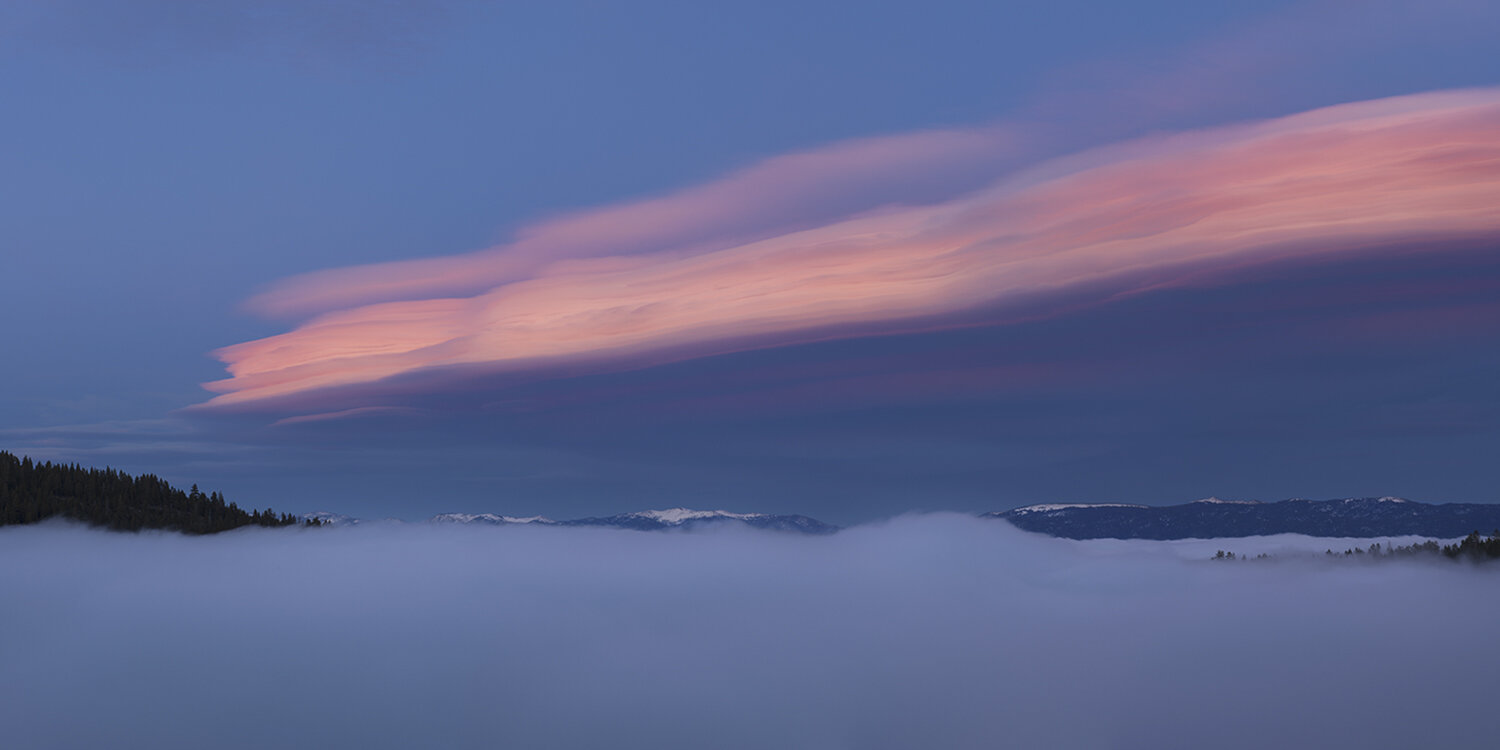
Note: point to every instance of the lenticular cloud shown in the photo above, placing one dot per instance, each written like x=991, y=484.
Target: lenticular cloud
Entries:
x=927, y=631
x=691, y=273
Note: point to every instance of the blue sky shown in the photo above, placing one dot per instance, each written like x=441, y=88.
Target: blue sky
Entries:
x=173, y=173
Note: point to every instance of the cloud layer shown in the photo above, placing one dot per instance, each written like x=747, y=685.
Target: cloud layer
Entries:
x=723, y=267
x=935, y=631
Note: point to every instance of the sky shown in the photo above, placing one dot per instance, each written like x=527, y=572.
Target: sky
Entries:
x=934, y=630
x=845, y=260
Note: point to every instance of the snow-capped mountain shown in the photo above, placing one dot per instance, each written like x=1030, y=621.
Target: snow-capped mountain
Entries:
x=1049, y=507
x=645, y=520
x=330, y=519
x=1214, y=517
x=487, y=518
x=684, y=518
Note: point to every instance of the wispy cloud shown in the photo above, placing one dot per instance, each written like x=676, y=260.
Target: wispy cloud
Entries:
x=678, y=275
x=365, y=411
x=772, y=198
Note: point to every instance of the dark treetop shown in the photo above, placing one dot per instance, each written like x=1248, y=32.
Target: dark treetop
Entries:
x=31, y=492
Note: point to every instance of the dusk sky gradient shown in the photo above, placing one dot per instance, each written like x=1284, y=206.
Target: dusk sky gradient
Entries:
x=568, y=259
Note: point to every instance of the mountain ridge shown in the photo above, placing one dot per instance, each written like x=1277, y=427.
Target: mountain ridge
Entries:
x=641, y=520
x=1213, y=518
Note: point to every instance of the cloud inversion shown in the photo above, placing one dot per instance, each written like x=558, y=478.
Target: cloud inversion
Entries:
x=937, y=631
x=726, y=266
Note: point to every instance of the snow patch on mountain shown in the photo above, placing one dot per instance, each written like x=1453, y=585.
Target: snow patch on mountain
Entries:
x=486, y=518
x=330, y=519
x=675, y=516
x=1048, y=507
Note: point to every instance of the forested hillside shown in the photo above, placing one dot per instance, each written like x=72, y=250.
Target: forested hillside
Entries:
x=32, y=491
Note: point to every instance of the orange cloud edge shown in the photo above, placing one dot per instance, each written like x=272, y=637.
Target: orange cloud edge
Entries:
x=1146, y=214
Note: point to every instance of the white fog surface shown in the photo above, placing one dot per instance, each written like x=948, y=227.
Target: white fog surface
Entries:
x=935, y=631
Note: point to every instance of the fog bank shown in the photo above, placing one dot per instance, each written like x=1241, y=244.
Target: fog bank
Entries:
x=926, y=631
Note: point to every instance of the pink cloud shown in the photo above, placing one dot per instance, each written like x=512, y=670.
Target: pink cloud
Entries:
x=773, y=197
x=363, y=411
x=701, y=269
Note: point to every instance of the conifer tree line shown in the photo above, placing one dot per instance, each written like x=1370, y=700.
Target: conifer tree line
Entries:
x=1473, y=547
x=33, y=491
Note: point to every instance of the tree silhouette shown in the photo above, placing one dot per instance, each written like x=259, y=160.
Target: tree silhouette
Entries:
x=32, y=491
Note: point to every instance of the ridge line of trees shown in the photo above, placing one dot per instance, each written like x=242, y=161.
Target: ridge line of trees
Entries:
x=1473, y=547
x=33, y=491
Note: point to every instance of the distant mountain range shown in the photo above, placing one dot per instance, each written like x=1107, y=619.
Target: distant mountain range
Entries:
x=1203, y=519
x=1212, y=517
x=646, y=520
x=32, y=491
x=682, y=518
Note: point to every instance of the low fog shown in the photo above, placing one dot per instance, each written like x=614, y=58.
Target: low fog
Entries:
x=936, y=631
